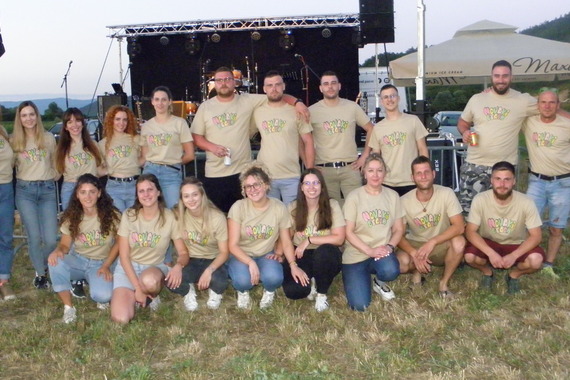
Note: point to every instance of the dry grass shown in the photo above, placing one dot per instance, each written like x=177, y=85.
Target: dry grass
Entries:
x=417, y=336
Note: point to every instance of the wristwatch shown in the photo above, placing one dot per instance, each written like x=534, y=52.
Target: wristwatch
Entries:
x=391, y=247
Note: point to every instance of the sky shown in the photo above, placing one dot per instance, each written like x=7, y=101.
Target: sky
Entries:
x=42, y=37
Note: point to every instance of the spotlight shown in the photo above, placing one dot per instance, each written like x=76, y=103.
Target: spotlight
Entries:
x=133, y=48
x=326, y=33
x=215, y=38
x=164, y=40
x=256, y=36
x=192, y=45
x=286, y=40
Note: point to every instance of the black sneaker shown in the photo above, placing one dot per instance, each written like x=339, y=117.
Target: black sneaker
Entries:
x=77, y=289
x=41, y=282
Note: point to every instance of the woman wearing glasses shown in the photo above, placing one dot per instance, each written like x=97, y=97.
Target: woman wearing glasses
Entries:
x=318, y=231
x=254, y=225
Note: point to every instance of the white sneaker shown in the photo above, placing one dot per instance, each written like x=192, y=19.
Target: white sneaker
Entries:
x=102, y=306
x=214, y=300
x=267, y=299
x=155, y=303
x=321, y=303
x=383, y=289
x=243, y=300
x=190, y=301
x=313, y=294
x=69, y=314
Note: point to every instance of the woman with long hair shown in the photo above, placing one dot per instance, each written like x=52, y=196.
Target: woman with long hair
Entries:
x=254, y=225
x=6, y=215
x=36, y=197
x=76, y=152
x=122, y=155
x=87, y=249
x=374, y=227
x=318, y=232
x=144, y=234
x=204, y=230
x=166, y=145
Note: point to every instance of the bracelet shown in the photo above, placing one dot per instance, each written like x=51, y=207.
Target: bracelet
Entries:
x=293, y=263
x=391, y=247
x=309, y=239
x=297, y=101
x=210, y=269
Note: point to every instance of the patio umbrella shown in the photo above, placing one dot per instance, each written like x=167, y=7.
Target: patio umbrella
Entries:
x=467, y=58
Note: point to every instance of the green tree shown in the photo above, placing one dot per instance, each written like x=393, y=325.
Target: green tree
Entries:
x=443, y=101
x=53, y=111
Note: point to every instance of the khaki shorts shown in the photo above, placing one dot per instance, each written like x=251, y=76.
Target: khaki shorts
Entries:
x=437, y=256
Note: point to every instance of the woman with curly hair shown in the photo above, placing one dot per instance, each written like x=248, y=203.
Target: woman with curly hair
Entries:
x=76, y=152
x=318, y=232
x=122, y=155
x=36, y=197
x=145, y=232
x=254, y=225
x=87, y=249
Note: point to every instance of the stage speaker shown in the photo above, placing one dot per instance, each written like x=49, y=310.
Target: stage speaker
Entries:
x=104, y=102
x=377, y=21
x=442, y=160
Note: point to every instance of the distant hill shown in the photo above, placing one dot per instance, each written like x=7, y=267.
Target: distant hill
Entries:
x=557, y=29
x=43, y=104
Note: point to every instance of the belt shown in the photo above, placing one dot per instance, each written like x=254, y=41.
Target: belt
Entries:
x=338, y=164
x=126, y=179
x=549, y=178
x=170, y=166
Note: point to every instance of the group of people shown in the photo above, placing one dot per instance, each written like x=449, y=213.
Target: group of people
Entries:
x=267, y=221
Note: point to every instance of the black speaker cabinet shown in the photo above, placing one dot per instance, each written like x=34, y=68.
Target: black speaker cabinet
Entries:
x=104, y=102
x=377, y=21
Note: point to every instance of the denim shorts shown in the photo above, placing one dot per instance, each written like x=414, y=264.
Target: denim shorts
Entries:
x=121, y=280
x=551, y=195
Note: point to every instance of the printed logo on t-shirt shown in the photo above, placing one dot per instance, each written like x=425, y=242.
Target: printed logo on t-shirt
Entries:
x=544, y=139
x=335, y=126
x=427, y=221
x=310, y=231
x=145, y=239
x=273, y=126
x=33, y=155
x=375, y=217
x=395, y=139
x=159, y=140
x=225, y=120
x=91, y=239
x=80, y=159
x=259, y=232
x=496, y=113
x=120, y=151
x=502, y=226
x=195, y=237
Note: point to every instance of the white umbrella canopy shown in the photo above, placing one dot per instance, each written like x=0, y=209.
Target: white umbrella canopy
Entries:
x=467, y=58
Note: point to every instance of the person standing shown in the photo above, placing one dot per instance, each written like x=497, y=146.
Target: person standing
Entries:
x=548, y=141
x=6, y=215
x=400, y=138
x=334, y=122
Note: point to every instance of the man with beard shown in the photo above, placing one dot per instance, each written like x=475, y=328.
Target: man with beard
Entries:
x=220, y=128
x=435, y=228
x=496, y=116
x=280, y=132
x=548, y=141
x=503, y=231
x=334, y=122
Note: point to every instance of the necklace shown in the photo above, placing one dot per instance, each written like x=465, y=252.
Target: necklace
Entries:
x=424, y=206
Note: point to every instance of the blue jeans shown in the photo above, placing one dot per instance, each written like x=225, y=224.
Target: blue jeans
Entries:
x=284, y=189
x=6, y=230
x=75, y=267
x=554, y=195
x=65, y=193
x=270, y=273
x=169, y=178
x=37, y=203
x=123, y=193
x=356, y=279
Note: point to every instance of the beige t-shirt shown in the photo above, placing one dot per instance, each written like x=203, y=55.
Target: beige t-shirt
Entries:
x=227, y=124
x=259, y=230
x=33, y=164
x=280, y=130
x=423, y=226
x=122, y=157
x=200, y=246
x=148, y=239
x=78, y=162
x=397, y=141
x=497, y=120
x=311, y=228
x=90, y=243
x=507, y=224
x=6, y=160
x=164, y=140
x=334, y=130
x=548, y=145
x=373, y=216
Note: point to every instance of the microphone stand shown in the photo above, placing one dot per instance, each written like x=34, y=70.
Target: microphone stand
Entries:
x=65, y=83
x=305, y=76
